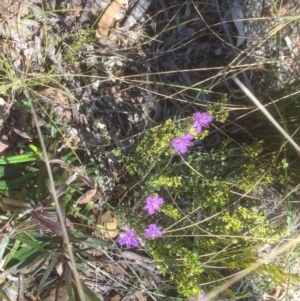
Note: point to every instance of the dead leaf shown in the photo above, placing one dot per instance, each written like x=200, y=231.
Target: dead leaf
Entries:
x=116, y=298
x=23, y=134
x=69, y=224
x=3, y=146
x=136, y=295
x=2, y=279
x=59, y=268
x=114, y=269
x=111, y=224
x=107, y=19
x=124, y=265
x=87, y=197
x=53, y=95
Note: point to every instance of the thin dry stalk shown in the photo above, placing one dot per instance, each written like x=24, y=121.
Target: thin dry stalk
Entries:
x=59, y=213
x=267, y=114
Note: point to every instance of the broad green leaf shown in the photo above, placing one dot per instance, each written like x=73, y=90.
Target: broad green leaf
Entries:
x=69, y=287
x=51, y=239
x=28, y=177
x=12, y=252
x=69, y=158
x=9, y=172
x=30, y=157
x=28, y=180
x=53, y=131
x=26, y=226
x=46, y=274
x=88, y=207
x=31, y=260
x=13, y=172
x=25, y=237
x=35, y=149
x=41, y=187
x=10, y=185
x=23, y=253
x=85, y=254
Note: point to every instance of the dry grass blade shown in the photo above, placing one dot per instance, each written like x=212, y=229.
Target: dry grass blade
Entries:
x=267, y=114
x=59, y=213
x=253, y=267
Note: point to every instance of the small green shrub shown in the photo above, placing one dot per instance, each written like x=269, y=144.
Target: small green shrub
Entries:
x=206, y=212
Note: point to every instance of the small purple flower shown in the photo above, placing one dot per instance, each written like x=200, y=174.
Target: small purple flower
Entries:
x=153, y=231
x=129, y=239
x=201, y=297
x=181, y=144
x=153, y=204
x=202, y=120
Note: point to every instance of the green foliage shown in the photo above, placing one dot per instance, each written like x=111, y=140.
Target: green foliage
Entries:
x=183, y=264
x=205, y=201
x=218, y=109
x=35, y=237
x=24, y=105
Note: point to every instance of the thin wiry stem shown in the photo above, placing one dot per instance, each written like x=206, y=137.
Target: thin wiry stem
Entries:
x=59, y=213
x=254, y=266
x=267, y=114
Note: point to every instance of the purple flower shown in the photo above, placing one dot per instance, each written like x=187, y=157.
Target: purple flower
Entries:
x=153, y=204
x=129, y=239
x=153, y=231
x=180, y=144
x=201, y=297
x=202, y=120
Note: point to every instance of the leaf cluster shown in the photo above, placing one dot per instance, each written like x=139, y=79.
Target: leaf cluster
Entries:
x=34, y=241
x=206, y=202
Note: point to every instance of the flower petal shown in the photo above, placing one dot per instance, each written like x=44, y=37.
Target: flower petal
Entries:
x=180, y=144
x=201, y=120
x=128, y=239
x=153, y=231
